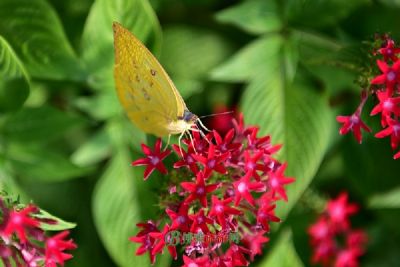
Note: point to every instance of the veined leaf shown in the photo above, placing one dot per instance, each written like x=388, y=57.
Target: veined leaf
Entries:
x=35, y=32
x=121, y=200
x=250, y=61
x=294, y=115
x=39, y=163
x=14, y=81
x=387, y=200
x=283, y=254
x=97, y=39
x=319, y=13
x=190, y=52
x=97, y=148
x=253, y=16
x=38, y=124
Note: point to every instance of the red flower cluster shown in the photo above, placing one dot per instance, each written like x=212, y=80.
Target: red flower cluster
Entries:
x=220, y=185
x=386, y=87
x=332, y=227
x=24, y=243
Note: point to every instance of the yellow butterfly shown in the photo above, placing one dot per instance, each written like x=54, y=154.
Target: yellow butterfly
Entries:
x=145, y=90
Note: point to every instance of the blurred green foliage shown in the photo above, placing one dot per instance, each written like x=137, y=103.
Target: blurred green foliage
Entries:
x=289, y=65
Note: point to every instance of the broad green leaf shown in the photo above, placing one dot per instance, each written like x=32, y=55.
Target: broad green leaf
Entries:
x=38, y=124
x=387, y=200
x=56, y=224
x=35, y=32
x=95, y=149
x=390, y=3
x=97, y=39
x=294, y=115
x=319, y=13
x=14, y=81
x=188, y=87
x=283, y=253
x=42, y=164
x=253, y=16
x=190, y=52
x=101, y=106
x=250, y=61
x=122, y=199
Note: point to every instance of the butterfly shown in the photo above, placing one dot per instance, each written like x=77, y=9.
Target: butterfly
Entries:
x=145, y=90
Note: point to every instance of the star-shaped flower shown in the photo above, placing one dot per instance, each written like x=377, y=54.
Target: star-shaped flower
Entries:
x=153, y=159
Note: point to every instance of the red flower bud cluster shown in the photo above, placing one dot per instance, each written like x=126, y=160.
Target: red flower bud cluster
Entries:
x=23, y=242
x=220, y=185
x=386, y=87
x=334, y=241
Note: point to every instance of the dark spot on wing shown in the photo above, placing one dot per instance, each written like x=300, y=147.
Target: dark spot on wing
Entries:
x=153, y=72
x=146, y=94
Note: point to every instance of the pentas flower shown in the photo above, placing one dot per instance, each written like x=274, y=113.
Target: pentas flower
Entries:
x=353, y=122
x=385, y=87
x=335, y=243
x=153, y=159
x=24, y=242
x=389, y=51
x=219, y=200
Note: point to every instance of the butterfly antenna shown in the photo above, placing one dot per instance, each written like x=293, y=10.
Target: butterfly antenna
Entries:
x=216, y=114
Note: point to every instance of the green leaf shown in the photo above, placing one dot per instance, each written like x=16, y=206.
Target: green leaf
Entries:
x=40, y=124
x=387, y=200
x=320, y=13
x=42, y=164
x=14, y=81
x=294, y=115
x=283, y=253
x=57, y=224
x=101, y=106
x=97, y=39
x=250, y=61
x=35, y=32
x=190, y=52
x=122, y=199
x=94, y=150
x=253, y=16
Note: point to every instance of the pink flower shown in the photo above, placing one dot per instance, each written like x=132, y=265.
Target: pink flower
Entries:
x=387, y=106
x=334, y=242
x=244, y=186
x=222, y=209
x=389, y=51
x=153, y=159
x=20, y=222
x=55, y=247
x=243, y=180
x=389, y=77
x=394, y=131
x=198, y=190
x=212, y=162
x=277, y=180
x=339, y=210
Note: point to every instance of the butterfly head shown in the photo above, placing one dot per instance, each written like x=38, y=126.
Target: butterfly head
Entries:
x=189, y=117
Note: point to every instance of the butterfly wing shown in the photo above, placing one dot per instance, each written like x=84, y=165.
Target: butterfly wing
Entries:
x=144, y=88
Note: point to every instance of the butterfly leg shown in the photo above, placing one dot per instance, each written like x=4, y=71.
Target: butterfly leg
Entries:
x=169, y=139
x=179, y=142
x=201, y=133
x=191, y=140
x=202, y=125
